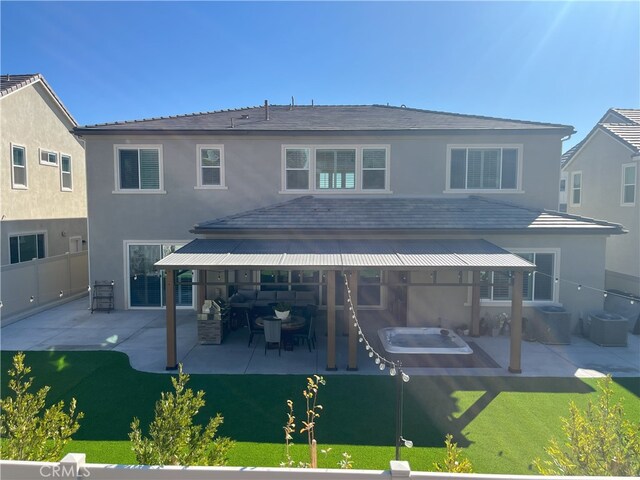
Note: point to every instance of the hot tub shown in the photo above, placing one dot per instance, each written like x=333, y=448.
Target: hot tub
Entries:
x=407, y=340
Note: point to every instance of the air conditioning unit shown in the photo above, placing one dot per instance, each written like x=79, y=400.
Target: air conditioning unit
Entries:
x=552, y=325
x=608, y=329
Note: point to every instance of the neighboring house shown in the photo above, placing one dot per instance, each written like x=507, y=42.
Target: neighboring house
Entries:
x=417, y=203
x=602, y=181
x=43, y=193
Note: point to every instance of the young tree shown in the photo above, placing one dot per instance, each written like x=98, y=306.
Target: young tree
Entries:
x=599, y=441
x=453, y=462
x=173, y=438
x=30, y=432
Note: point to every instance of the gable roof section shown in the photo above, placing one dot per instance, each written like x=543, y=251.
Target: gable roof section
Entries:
x=625, y=129
x=12, y=83
x=322, y=118
x=393, y=215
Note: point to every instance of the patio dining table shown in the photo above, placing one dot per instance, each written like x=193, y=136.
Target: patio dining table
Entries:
x=290, y=325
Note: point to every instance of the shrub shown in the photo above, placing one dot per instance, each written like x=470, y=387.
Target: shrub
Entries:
x=453, y=462
x=173, y=437
x=599, y=440
x=29, y=432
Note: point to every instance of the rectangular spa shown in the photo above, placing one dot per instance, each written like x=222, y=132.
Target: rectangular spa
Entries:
x=427, y=340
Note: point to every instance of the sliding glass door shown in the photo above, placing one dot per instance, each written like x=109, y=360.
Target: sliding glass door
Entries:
x=147, y=286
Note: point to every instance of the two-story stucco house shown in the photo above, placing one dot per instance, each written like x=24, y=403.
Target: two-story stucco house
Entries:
x=436, y=217
x=602, y=182
x=43, y=193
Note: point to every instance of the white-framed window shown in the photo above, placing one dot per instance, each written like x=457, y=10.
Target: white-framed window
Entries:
x=537, y=286
x=27, y=246
x=66, y=179
x=145, y=285
x=138, y=169
x=629, y=182
x=296, y=165
x=563, y=185
x=335, y=168
x=576, y=189
x=210, y=166
x=18, y=167
x=48, y=157
x=483, y=168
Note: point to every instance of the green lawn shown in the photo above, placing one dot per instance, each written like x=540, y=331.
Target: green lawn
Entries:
x=501, y=422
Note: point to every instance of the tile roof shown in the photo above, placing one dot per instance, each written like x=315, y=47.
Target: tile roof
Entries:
x=320, y=214
x=319, y=118
x=631, y=114
x=9, y=83
x=317, y=253
x=626, y=128
x=628, y=133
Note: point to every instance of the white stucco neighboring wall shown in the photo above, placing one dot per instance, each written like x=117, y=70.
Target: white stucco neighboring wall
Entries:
x=32, y=119
x=600, y=161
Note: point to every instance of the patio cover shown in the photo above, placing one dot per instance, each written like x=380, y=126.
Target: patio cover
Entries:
x=472, y=254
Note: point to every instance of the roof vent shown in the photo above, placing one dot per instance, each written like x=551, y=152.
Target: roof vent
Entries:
x=266, y=109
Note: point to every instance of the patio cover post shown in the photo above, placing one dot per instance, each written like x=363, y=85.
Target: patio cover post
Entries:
x=172, y=362
x=331, y=320
x=475, y=304
x=515, y=352
x=201, y=289
x=352, y=279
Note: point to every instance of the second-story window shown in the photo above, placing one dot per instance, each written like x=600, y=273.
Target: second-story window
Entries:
x=139, y=168
x=629, y=184
x=354, y=169
x=18, y=167
x=297, y=168
x=483, y=168
x=48, y=157
x=335, y=169
x=210, y=166
x=66, y=182
x=576, y=188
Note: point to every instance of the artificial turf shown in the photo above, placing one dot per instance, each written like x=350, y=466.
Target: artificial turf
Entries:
x=502, y=423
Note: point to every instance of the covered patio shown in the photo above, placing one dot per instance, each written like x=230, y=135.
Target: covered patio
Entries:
x=396, y=258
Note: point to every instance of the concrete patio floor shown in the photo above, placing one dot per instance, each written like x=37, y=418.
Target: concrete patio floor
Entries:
x=141, y=335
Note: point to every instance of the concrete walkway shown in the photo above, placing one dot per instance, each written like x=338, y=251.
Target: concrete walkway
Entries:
x=141, y=335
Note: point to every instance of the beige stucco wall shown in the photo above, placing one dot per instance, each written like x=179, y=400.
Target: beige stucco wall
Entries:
x=253, y=172
x=32, y=119
x=600, y=162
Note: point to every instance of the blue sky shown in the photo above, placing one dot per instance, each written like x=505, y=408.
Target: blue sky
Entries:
x=543, y=61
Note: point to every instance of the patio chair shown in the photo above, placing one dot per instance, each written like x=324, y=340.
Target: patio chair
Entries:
x=253, y=328
x=272, y=334
x=307, y=334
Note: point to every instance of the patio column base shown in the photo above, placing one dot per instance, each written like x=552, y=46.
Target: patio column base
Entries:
x=331, y=369
x=170, y=369
x=515, y=370
x=352, y=369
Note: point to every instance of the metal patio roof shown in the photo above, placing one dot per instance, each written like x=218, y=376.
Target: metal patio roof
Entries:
x=338, y=254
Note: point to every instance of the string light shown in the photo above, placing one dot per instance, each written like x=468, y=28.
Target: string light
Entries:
x=60, y=294
x=31, y=299
x=381, y=361
x=632, y=299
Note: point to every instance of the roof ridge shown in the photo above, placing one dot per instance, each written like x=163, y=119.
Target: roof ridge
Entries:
x=469, y=115
x=166, y=117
